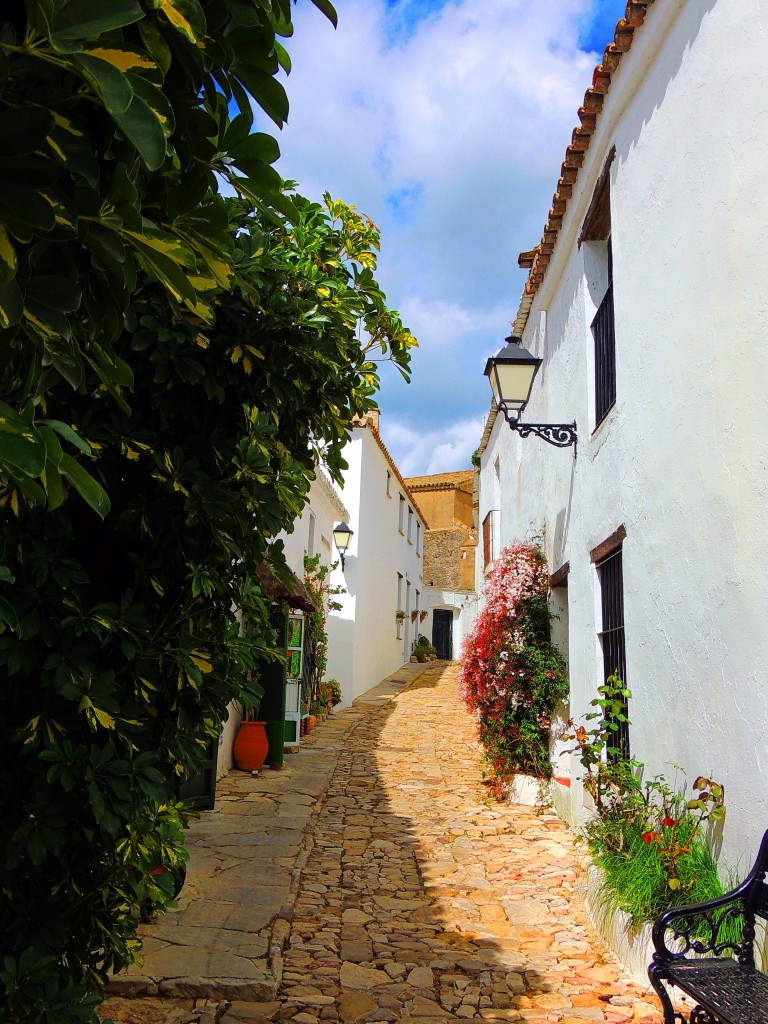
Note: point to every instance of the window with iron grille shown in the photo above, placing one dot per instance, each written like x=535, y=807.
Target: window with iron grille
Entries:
x=605, y=349
x=611, y=574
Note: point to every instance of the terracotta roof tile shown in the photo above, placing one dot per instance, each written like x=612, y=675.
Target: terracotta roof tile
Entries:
x=368, y=425
x=537, y=260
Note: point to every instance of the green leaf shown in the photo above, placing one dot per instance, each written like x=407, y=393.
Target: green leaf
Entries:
x=21, y=445
x=328, y=10
x=70, y=149
x=86, y=19
x=142, y=126
x=88, y=488
x=165, y=269
x=107, y=81
x=8, y=261
x=66, y=361
x=186, y=16
x=154, y=41
x=266, y=90
x=25, y=212
x=52, y=483
x=56, y=292
x=283, y=57
x=8, y=615
x=156, y=101
x=24, y=130
x=258, y=146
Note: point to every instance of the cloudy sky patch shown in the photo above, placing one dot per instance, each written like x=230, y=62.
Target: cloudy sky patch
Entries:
x=446, y=122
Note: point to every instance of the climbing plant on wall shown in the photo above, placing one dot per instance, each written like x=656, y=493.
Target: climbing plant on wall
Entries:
x=512, y=676
x=316, y=576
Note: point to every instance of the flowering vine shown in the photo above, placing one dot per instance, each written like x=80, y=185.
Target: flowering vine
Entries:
x=316, y=577
x=512, y=676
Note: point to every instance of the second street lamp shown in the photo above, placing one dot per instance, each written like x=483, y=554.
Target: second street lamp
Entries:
x=511, y=374
x=342, y=535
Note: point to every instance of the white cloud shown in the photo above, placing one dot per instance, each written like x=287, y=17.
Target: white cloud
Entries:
x=451, y=139
x=433, y=451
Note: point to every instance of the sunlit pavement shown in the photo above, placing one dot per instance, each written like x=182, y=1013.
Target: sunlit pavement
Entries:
x=382, y=884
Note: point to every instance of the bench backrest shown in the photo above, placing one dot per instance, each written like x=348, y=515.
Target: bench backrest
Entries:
x=754, y=886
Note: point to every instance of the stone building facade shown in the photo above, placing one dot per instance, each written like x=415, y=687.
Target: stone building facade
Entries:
x=450, y=543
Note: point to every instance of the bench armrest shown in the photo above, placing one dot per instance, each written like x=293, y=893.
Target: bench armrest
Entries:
x=724, y=925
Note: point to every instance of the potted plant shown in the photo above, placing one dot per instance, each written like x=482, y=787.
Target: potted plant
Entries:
x=251, y=746
x=414, y=616
x=422, y=616
x=400, y=615
x=423, y=649
x=330, y=693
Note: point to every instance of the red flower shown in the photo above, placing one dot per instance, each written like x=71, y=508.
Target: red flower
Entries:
x=669, y=822
x=649, y=837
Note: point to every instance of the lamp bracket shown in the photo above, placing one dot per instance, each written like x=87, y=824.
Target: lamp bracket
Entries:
x=561, y=435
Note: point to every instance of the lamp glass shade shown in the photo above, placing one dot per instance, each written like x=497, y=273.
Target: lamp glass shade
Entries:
x=342, y=536
x=511, y=374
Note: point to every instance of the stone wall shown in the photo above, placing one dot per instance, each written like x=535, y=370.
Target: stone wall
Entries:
x=443, y=562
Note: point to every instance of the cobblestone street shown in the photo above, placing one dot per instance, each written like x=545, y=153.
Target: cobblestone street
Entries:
x=420, y=898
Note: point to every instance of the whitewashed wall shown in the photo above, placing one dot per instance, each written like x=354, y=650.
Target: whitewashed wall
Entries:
x=461, y=604
x=363, y=647
x=681, y=459
x=312, y=534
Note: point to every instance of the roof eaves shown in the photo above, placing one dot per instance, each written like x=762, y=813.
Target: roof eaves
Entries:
x=537, y=260
x=332, y=494
x=494, y=412
x=391, y=461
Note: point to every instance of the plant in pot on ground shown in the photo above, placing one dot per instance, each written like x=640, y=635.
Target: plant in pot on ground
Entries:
x=423, y=649
x=512, y=676
x=646, y=836
x=330, y=693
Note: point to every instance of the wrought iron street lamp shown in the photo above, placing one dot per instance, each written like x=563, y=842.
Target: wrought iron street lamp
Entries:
x=342, y=535
x=511, y=374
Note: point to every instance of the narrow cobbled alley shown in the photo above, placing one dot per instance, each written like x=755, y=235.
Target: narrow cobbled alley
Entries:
x=420, y=898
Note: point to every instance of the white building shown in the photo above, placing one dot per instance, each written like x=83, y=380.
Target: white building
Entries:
x=382, y=573
x=312, y=535
x=657, y=533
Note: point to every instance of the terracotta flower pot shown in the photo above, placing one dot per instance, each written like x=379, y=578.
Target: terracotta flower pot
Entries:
x=251, y=746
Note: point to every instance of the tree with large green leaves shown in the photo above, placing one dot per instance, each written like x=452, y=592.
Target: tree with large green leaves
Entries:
x=116, y=128
x=173, y=367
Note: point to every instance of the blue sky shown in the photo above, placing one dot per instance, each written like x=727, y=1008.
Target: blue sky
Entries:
x=446, y=122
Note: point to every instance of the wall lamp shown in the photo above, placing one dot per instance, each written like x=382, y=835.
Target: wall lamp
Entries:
x=511, y=374
x=342, y=535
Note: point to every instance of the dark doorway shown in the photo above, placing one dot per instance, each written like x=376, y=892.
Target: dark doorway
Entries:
x=200, y=790
x=442, y=633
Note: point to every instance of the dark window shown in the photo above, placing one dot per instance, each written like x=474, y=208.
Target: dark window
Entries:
x=489, y=539
x=605, y=349
x=610, y=571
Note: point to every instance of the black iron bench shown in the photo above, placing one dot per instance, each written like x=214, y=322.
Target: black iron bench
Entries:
x=707, y=951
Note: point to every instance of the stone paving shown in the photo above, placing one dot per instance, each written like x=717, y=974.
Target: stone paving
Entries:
x=393, y=890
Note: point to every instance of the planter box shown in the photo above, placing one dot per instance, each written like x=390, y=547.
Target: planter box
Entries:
x=630, y=944
x=529, y=791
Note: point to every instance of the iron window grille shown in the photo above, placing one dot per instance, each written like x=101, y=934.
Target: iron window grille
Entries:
x=605, y=357
x=611, y=573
